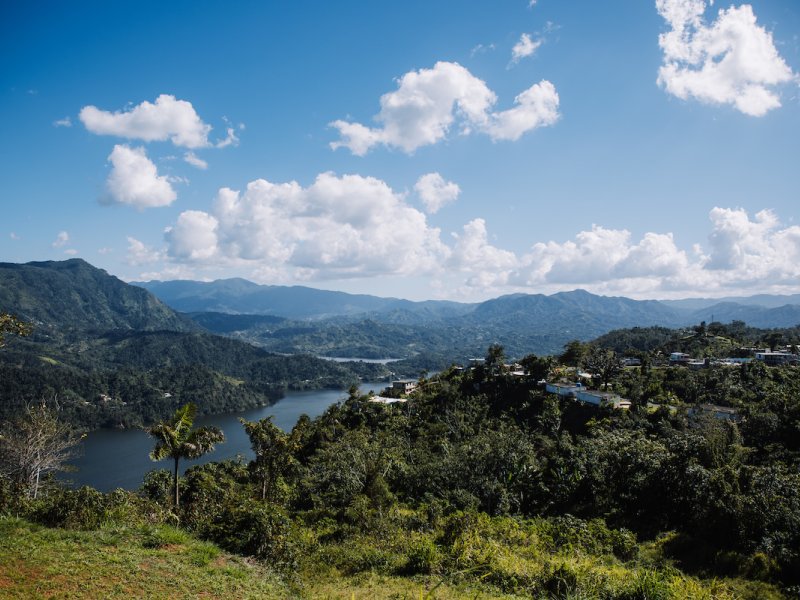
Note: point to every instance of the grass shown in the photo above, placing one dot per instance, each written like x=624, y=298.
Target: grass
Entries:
x=36, y=562
x=502, y=561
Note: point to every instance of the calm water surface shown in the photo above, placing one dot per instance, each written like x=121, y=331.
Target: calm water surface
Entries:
x=119, y=459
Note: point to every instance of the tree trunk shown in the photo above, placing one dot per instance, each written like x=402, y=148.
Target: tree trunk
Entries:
x=176, y=484
x=36, y=484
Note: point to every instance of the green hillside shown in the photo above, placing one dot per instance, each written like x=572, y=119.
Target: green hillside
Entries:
x=59, y=296
x=109, y=354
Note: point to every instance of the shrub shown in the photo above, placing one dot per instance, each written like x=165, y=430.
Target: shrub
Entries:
x=422, y=556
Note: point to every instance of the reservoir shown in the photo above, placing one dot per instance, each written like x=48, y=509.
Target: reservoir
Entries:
x=111, y=459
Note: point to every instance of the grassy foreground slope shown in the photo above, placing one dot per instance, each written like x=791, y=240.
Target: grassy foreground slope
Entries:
x=37, y=562
x=164, y=562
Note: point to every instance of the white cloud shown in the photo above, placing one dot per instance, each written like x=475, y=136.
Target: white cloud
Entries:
x=756, y=254
x=481, y=49
x=428, y=102
x=525, y=47
x=65, y=122
x=167, y=118
x=195, y=161
x=105, y=250
x=535, y=107
x=62, y=239
x=345, y=227
x=170, y=273
x=141, y=254
x=338, y=227
x=601, y=255
x=70, y=252
x=486, y=265
x=194, y=237
x=134, y=180
x=231, y=139
x=733, y=61
x=14, y=236
x=532, y=3
x=435, y=192
x=753, y=250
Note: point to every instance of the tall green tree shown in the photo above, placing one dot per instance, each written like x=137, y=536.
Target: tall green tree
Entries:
x=574, y=353
x=274, y=452
x=176, y=439
x=603, y=364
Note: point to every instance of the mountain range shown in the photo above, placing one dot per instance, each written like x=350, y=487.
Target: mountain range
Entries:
x=73, y=295
x=341, y=324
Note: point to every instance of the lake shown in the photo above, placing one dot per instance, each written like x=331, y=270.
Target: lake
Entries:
x=113, y=459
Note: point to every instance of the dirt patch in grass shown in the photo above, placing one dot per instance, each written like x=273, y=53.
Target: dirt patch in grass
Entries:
x=16, y=571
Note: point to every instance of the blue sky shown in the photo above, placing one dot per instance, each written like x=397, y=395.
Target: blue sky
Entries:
x=456, y=150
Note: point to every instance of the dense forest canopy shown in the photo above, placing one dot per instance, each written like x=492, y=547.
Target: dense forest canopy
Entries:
x=480, y=463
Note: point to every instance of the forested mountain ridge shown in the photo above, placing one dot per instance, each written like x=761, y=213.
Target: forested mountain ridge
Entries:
x=72, y=294
x=345, y=325
x=112, y=354
x=291, y=302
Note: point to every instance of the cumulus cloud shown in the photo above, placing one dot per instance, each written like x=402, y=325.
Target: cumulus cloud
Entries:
x=141, y=254
x=535, y=107
x=601, y=255
x=194, y=160
x=525, y=47
x=166, y=119
x=194, y=237
x=134, y=180
x=435, y=192
x=743, y=253
x=62, y=239
x=753, y=250
x=428, y=102
x=65, y=122
x=486, y=265
x=732, y=61
x=344, y=227
x=348, y=226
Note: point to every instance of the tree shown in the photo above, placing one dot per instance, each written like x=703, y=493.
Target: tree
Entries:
x=34, y=446
x=176, y=440
x=603, y=364
x=495, y=359
x=274, y=452
x=11, y=324
x=537, y=368
x=574, y=353
x=773, y=339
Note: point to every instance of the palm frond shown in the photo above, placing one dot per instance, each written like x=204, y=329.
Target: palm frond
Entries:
x=160, y=452
x=184, y=418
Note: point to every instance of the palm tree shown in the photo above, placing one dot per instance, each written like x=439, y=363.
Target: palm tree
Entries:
x=176, y=439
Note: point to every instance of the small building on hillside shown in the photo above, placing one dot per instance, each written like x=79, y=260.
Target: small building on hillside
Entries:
x=598, y=398
x=404, y=386
x=565, y=390
x=584, y=394
x=776, y=359
x=679, y=358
